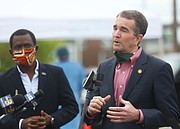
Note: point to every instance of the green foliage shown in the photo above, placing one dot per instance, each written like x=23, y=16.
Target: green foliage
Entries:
x=45, y=53
x=5, y=57
x=47, y=49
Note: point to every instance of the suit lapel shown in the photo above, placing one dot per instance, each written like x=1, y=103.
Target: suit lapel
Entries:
x=16, y=82
x=109, y=80
x=137, y=73
x=42, y=76
x=111, y=75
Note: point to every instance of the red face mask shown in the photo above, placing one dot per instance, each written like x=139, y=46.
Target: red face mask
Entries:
x=24, y=57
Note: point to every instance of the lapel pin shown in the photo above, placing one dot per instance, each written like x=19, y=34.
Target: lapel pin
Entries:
x=43, y=73
x=139, y=71
x=16, y=92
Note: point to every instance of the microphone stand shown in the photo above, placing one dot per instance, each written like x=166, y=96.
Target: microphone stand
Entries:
x=88, y=84
x=88, y=94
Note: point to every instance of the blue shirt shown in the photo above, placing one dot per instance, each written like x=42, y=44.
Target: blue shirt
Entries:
x=75, y=74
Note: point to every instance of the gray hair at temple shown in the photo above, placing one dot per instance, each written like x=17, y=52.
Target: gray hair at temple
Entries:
x=141, y=23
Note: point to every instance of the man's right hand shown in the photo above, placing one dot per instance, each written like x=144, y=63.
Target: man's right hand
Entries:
x=96, y=104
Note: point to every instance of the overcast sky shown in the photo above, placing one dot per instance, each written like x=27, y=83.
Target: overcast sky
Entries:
x=15, y=14
x=83, y=8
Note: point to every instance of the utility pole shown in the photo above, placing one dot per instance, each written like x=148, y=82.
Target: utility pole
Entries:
x=175, y=25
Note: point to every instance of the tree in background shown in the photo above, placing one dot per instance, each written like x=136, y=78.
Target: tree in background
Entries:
x=45, y=53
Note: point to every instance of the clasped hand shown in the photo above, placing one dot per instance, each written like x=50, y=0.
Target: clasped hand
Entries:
x=37, y=122
x=127, y=113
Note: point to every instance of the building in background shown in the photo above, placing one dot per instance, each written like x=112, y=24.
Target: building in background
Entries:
x=86, y=26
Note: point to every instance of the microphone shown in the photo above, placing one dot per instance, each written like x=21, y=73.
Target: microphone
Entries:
x=13, y=102
x=13, y=106
x=9, y=103
x=169, y=117
x=30, y=99
x=92, y=79
x=88, y=83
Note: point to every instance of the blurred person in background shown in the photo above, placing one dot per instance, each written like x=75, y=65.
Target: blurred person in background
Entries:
x=136, y=85
x=75, y=73
x=30, y=75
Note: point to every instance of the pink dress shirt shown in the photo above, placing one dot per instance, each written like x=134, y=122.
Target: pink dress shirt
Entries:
x=122, y=74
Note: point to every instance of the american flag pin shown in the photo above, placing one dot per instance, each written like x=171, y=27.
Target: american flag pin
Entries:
x=43, y=73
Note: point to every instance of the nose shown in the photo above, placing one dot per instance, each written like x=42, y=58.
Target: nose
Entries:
x=116, y=33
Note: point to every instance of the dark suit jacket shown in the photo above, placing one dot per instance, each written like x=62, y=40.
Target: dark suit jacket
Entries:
x=177, y=84
x=57, y=91
x=146, y=91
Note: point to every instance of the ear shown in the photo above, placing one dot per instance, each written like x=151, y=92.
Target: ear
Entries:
x=37, y=47
x=10, y=51
x=139, y=38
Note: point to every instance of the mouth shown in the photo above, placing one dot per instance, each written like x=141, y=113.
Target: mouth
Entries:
x=116, y=42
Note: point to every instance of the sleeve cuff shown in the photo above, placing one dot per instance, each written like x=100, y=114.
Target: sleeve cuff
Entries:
x=89, y=116
x=141, y=117
x=20, y=122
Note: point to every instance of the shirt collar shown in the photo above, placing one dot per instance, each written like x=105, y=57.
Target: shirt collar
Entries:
x=36, y=69
x=136, y=55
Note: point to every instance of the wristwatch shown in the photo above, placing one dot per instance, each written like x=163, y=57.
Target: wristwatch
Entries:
x=52, y=120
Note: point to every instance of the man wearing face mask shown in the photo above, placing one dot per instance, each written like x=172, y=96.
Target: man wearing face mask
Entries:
x=29, y=76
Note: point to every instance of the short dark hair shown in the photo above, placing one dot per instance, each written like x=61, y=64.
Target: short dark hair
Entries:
x=63, y=51
x=141, y=23
x=22, y=32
